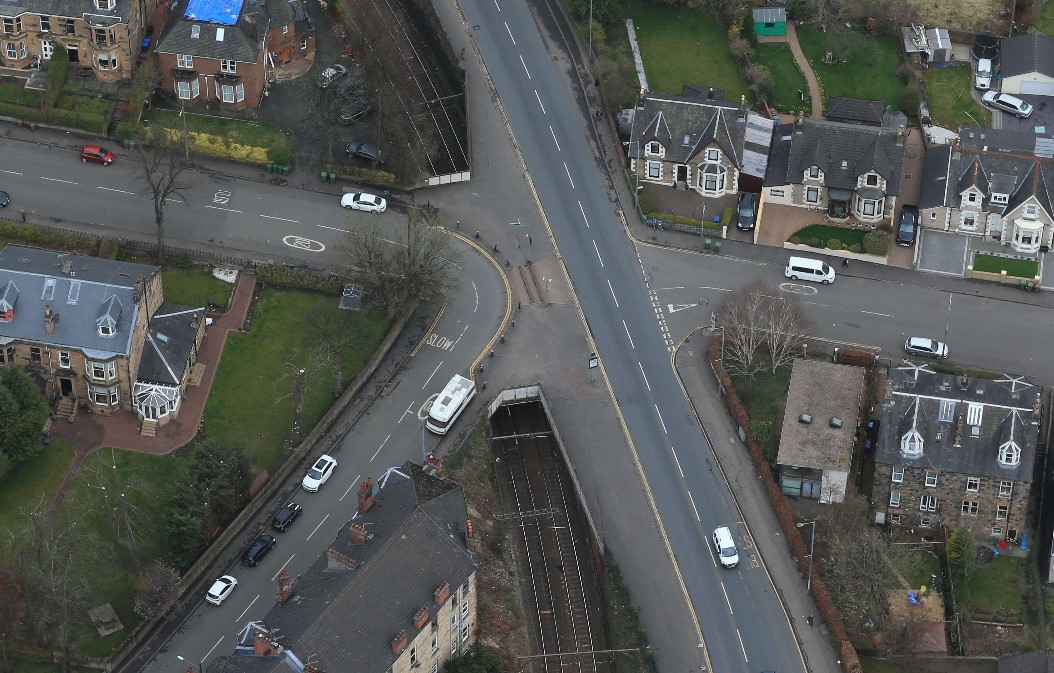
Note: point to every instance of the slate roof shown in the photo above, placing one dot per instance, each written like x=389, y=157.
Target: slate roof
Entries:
x=239, y=42
x=1025, y=54
x=86, y=9
x=779, y=155
x=82, y=290
x=1037, y=661
x=824, y=391
x=855, y=110
x=935, y=177
x=828, y=144
x=686, y=125
x=169, y=344
x=913, y=400
x=344, y=620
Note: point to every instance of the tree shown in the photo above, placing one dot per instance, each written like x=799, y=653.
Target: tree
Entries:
x=158, y=590
x=417, y=267
x=162, y=164
x=760, y=82
x=305, y=379
x=962, y=554
x=332, y=332
x=126, y=519
x=23, y=412
x=476, y=659
x=756, y=318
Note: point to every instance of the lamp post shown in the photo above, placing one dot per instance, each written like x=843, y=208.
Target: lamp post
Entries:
x=201, y=668
x=812, y=546
x=590, y=32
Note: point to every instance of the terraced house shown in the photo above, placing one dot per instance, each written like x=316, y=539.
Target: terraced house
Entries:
x=104, y=36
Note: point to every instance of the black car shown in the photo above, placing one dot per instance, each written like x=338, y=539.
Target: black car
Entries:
x=286, y=516
x=909, y=225
x=258, y=549
x=356, y=109
x=747, y=211
x=367, y=151
x=4, y=199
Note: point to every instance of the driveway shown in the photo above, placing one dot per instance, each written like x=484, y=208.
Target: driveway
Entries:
x=942, y=252
x=1041, y=120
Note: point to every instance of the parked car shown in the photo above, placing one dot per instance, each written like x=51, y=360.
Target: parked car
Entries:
x=220, y=589
x=4, y=199
x=319, y=473
x=366, y=151
x=909, y=225
x=747, y=211
x=260, y=547
x=927, y=348
x=982, y=79
x=286, y=516
x=356, y=109
x=97, y=155
x=1007, y=103
x=330, y=75
x=364, y=201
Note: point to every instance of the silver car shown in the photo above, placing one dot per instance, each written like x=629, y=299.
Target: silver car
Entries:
x=1007, y=103
x=927, y=348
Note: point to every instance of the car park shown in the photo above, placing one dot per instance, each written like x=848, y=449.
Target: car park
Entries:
x=330, y=75
x=747, y=211
x=286, y=516
x=366, y=151
x=1007, y=103
x=97, y=155
x=356, y=109
x=221, y=589
x=5, y=199
x=260, y=547
x=909, y=225
x=363, y=201
x=927, y=348
x=319, y=473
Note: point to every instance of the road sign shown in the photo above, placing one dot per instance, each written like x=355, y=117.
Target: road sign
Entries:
x=594, y=361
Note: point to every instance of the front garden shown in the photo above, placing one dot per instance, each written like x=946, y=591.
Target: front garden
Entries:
x=1018, y=268
x=827, y=237
x=226, y=138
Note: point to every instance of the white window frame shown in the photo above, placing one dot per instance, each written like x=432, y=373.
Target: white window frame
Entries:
x=185, y=61
x=812, y=195
x=973, y=484
x=183, y=90
x=285, y=29
x=1000, y=199
x=925, y=522
x=1010, y=454
x=894, y=519
x=11, y=49
x=303, y=44
x=107, y=60
x=1031, y=211
x=105, y=4
x=654, y=148
x=898, y=475
x=96, y=370
x=64, y=359
x=465, y=632
x=1006, y=489
x=1002, y=512
x=813, y=172
x=226, y=93
x=928, y=503
x=45, y=24
x=413, y=657
x=969, y=220
x=22, y=49
x=228, y=66
x=453, y=642
x=969, y=508
x=435, y=644
x=946, y=413
x=931, y=479
x=713, y=155
x=971, y=197
x=239, y=92
x=464, y=610
x=871, y=180
x=654, y=170
x=894, y=498
x=997, y=532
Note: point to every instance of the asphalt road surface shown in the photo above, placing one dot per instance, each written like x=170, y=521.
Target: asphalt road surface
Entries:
x=743, y=621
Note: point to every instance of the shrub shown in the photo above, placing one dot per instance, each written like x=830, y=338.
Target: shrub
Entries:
x=300, y=279
x=109, y=247
x=766, y=439
x=909, y=99
x=878, y=242
x=58, y=70
x=283, y=155
x=814, y=243
x=834, y=244
x=726, y=217
x=380, y=178
x=31, y=234
x=739, y=47
x=855, y=247
x=795, y=240
x=759, y=81
x=184, y=261
x=905, y=73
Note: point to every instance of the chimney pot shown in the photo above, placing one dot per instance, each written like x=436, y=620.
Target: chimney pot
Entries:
x=441, y=593
x=399, y=642
x=420, y=617
x=357, y=534
x=366, y=495
x=470, y=536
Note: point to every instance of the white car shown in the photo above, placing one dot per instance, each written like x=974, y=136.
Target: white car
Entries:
x=927, y=348
x=319, y=473
x=220, y=589
x=1007, y=103
x=364, y=201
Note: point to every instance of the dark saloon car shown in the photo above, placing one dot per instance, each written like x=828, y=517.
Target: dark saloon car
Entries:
x=286, y=516
x=258, y=549
x=909, y=225
x=366, y=151
x=747, y=212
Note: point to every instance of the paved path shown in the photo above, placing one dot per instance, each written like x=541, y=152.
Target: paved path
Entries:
x=810, y=76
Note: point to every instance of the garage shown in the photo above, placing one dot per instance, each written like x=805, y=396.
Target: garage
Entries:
x=1026, y=64
x=1038, y=88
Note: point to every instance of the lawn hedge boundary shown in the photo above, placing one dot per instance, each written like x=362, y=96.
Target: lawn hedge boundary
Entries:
x=66, y=119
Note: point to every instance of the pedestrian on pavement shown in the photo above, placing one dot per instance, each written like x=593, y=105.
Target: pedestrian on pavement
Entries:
x=845, y=262
x=600, y=114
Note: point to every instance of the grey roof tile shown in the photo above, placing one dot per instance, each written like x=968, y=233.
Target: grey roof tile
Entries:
x=934, y=192
x=998, y=160
x=239, y=42
x=824, y=391
x=844, y=152
x=1028, y=53
x=686, y=125
x=855, y=110
x=121, y=13
x=169, y=344
x=1038, y=661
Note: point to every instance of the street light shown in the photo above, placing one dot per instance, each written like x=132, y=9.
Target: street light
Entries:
x=812, y=545
x=201, y=669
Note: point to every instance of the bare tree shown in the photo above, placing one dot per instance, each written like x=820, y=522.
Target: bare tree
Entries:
x=304, y=379
x=158, y=590
x=754, y=318
x=334, y=334
x=126, y=519
x=420, y=266
x=163, y=155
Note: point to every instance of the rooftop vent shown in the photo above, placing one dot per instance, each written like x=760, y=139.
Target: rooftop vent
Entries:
x=805, y=418
x=835, y=423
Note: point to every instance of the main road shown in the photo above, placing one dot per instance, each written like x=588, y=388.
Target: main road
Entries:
x=743, y=622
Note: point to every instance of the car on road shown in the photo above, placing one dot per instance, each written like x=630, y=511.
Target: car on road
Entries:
x=1007, y=103
x=909, y=225
x=286, y=516
x=260, y=547
x=330, y=75
x=5, y=199
x=725, y=547
x=220, y=589
x=927, y=348
x=366, y=151
x=747, y=211
x=97, y=155
x=319, y=473
x=363, y=201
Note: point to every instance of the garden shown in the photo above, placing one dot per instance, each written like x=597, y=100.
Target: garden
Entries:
x=827, y=237
x=948, y=91
x=863, y=65
x=1018, y=268
x=226, y=138
x=789, y=81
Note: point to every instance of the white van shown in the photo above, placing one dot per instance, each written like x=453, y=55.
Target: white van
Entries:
x=803, y=268
x=983, y=77
x=725, y=547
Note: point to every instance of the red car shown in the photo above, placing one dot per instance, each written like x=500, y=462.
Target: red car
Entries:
x=96, y=154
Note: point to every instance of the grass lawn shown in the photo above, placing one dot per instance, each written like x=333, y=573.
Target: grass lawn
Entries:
x=761, y=395
x=195, y=288
x=684, y=46
x=12, y=91
x=948, y=91
x=1019, y=268
x=825, y=233
x=84, y=104
x=250, y=398
x=929, y=566
x=870, y=70
x=1045, y=22
x=992, y=588
x=241, y=132
x=789, y=80
x=872, y=665
x=38, y=477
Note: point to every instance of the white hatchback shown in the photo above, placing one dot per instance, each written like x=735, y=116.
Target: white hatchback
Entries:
x=363, y=201
x=319, y=473
x=220, y=589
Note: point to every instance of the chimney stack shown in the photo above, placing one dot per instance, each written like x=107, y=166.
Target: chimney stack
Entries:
x=900, y=135
x=433, y=466
x=358, y=535
x=470, y=537
x=337, y=561
x=264, y=645
x=441, y=593
x=420, y=618
x=50, y=318
x=366, y=495
x=399, y=642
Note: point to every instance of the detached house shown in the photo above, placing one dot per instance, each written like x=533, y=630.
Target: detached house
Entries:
x=97, y=333
x=955, y=451
x=845, y=170
x=992, y=183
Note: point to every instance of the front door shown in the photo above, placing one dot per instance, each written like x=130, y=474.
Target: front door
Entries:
x=65, y=387
x=682, y=174
x=73, y=53
x=46, y=50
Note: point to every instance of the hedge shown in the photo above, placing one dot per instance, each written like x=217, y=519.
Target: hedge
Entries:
x=33, y=235
x=366, y=176
x=85, y=121
x=216, y=146
x=687, y=221
x=293, y=278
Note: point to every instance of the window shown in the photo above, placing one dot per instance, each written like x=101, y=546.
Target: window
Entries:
x=1009, y=454
x=34, y=354
x=12, y=50
x=227, y=65
x=435, y=666
x=931, y=478
x=453, y=621
x=894, y=498
x=867, y=206
x=812, y=195
x=464, y=632
x=654, y=170
x=1000, y=199
x=413, y=656
x=973, y=484
x=776, y=192
x=45, y=24
x=102, y=371
x=303, y=44
x=453, y=642
x=1031, y=211
x=227, y=94
x=239, y=93
x=21, y=49
x=1006, y=489
x=10, y=354
x=871, y=180
x=894, y=519
x=70, y=27
x=108, y=61
x=814, y=172
x=997, y=532
x=105, y=4
x=464, y=610
x=933, y=215
x=947, y=411
x=1002, y=512
x=969, y=508
x=713, y=155
x=285, y=30
x=928, y=503
x=183, y=90
x=969, y=221
x=714, y=182
x=435, y=644
x=105, y=396
x=13, y=25
x=184, y=61
x=925, y=522
x=898, y=475
x=911, y=443
x=105, y=330
x=973, y=413
x=98, y=370
x=64, y=359
x=971, y=197
x=102, y=36
x=653, y=148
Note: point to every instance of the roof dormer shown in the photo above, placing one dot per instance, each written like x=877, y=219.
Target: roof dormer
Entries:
x=109, y=314
x=8, y=299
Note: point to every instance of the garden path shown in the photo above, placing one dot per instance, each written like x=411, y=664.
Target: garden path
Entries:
x=814, y=86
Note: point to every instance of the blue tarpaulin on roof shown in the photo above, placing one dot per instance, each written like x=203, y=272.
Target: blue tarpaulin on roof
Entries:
x=224, y=12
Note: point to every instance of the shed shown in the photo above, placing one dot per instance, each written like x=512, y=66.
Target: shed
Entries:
x=770, y=21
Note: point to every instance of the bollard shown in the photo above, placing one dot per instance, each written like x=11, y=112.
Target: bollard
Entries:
x=23, y=215
x=503, y=338
x=484, y=385
x=507, y=261
x=477, y=233
x=481, y=368
x=514, y=323
x=492, y=352
x=495, y=247
x=459, y=224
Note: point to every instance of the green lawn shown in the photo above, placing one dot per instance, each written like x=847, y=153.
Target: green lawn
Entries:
x=13, y=91
x=872, y=665
x=250, y=398
x=825, y=233
x=789, y=80
x=1019, y=268
x=1045, y=22
x=38, y=477
x=992, y=589
x=239, y=131
x=194, y=287
x=948, y=91
x=84, y=104
x=929, y=566
x=870, y=70
x=761, y=396
x=684, y=46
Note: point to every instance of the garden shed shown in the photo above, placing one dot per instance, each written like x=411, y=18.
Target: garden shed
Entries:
x=770, y=21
